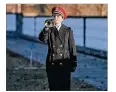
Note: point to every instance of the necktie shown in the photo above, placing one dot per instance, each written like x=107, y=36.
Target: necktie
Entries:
x=57, y=26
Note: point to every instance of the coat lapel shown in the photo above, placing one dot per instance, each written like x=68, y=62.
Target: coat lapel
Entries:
x=56, y=33
x=62, y=33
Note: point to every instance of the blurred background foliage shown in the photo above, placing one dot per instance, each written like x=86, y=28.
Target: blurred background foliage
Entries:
x=71, y=9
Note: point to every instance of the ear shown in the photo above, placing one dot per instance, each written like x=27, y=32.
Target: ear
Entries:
x=62, y=18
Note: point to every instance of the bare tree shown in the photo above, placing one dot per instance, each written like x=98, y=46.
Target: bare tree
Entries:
x=41, y=8
x=99, y=8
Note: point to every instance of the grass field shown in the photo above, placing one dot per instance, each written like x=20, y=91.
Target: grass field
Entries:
x=20, y=79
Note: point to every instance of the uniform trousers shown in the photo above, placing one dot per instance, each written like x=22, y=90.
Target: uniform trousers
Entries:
x=59, y=81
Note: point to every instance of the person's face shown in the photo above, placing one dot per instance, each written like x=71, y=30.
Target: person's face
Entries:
x=57, y=18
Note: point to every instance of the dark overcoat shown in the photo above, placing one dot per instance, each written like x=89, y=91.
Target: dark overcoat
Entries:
x=62, y=54
x=61, y=58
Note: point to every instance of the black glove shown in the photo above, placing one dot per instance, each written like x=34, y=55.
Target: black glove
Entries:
x=74, y=65
x=49, y=23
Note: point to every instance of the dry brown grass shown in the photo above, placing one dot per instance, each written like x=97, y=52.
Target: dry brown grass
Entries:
x=32, y=80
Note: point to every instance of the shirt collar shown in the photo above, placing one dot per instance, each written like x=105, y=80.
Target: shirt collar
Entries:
x=58, y=26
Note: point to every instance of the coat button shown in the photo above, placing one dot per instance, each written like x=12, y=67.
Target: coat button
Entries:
x=52, y=63
x=53, y=55
x=60, y=54
x=60, y=45
x=60, y=63
x=53, y=46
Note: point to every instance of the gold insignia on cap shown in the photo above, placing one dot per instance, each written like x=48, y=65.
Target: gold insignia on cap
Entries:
x=56, y=8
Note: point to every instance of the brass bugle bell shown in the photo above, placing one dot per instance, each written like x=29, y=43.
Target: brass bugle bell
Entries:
x=49, y=23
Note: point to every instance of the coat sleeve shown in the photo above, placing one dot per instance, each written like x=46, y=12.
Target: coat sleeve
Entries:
x=72, y=49
x=43, y=36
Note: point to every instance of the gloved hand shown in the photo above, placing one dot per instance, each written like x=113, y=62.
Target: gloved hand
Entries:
x=74, y=65
x=49, y=23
